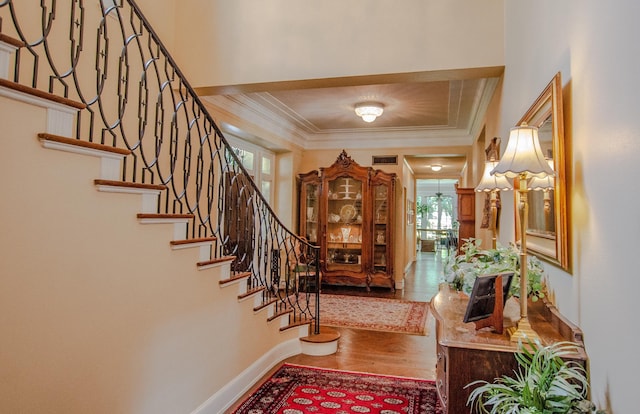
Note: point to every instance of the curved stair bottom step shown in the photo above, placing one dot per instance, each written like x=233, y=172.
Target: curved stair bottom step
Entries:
x=324, y=343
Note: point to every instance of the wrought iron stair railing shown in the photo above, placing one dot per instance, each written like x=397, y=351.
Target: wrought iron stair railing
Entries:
x=105, y=54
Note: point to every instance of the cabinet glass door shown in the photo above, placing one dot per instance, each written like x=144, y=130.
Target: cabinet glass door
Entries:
x=344, y=224
x=381, y=225
x=311, y=213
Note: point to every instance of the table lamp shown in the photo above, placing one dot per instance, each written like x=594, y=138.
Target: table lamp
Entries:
x=492, y=184
x=545, y=185
x=523, y=160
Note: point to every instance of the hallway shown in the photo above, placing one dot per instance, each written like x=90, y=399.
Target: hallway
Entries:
x=384, y=352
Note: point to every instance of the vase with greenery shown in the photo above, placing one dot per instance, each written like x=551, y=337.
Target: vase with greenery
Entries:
x=545, y=383
x=422, y=209
x=461, y=271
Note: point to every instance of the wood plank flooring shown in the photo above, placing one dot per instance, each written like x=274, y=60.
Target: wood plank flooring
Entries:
x=385, y=352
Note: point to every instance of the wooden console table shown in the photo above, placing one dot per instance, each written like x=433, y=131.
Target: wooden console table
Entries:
x=465, y=355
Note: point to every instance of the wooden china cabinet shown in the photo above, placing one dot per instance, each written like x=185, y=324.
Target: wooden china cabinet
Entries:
x=347, y=209
x=466, y=215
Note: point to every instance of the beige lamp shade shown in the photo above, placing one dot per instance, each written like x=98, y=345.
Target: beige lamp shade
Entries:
x=546, y=183
x=523, y=155
x=493, y=182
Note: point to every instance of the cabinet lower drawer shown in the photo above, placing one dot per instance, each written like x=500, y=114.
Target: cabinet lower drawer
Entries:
x=441, y=376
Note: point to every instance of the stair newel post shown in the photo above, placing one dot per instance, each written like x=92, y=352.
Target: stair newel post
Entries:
x=316, y=252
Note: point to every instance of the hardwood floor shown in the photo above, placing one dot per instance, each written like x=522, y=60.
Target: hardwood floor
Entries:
x=385, y=352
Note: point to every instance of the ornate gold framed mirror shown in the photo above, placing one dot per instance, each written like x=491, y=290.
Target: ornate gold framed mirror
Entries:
x=547, y=231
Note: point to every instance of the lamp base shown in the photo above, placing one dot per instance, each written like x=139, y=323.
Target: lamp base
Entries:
x=523, y=333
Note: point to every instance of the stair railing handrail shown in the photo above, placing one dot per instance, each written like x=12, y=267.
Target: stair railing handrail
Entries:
x=244, y=224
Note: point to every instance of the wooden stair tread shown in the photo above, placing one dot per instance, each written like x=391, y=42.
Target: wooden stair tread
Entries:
x=325, y=335
x=265, y=304
x=296, y=324
x=192, y=241
x=235, y=278
x=217, y=260
x=164, y=216
x=251, y=291
x=41, y=94
x=12, y=41
x=84, y=144
x=279, y=314
x=126, y=184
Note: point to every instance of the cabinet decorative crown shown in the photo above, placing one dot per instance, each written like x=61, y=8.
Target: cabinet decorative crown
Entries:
x=344, y=160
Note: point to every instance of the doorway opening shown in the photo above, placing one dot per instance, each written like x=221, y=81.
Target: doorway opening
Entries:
x=436, y=214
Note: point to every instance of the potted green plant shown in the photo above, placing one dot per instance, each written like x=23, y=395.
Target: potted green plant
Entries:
x=461, y=271
x=422, y=210
x=544, y=384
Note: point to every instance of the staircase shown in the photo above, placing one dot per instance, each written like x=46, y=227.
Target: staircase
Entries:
x=181, y=314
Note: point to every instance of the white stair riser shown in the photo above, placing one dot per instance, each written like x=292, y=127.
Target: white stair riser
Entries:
x=60, y=117
x=6, y=50
x=149, y=197
x=319, y=349
x=179, y=225
x=219, y=264
x=204, y=249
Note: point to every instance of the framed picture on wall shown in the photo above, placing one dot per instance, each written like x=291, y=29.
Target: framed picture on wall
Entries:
x=411, y=213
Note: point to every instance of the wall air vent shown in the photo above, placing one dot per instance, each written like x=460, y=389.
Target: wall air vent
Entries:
x=384, y=160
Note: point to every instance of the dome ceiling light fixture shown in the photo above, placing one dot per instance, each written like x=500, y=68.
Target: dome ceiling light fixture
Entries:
x=369, y=111
x=436, y=167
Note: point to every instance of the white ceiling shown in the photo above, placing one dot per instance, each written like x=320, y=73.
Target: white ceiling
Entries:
x=440, y=113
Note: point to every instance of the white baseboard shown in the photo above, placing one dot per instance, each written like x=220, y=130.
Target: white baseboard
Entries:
x=230, y=393
x=408, y=266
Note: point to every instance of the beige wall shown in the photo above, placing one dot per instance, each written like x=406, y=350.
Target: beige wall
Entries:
x=491, y=129
x=286, y=198
x=593, y=45
x=408, y=184
x=243, y=41
x=161, y=16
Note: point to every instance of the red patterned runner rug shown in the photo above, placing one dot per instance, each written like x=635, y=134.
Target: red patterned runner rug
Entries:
x=375, y=314
x=296, y=389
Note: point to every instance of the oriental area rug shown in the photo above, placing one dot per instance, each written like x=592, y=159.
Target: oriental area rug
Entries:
x=376, y=314
x=296, y=389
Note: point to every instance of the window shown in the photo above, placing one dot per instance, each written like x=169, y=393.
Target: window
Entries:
x=240, y=216
x=435, y=212
x=266, y=190
x=258, y=162
x=246, y=157
x=266, y=165
x=266, y=177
